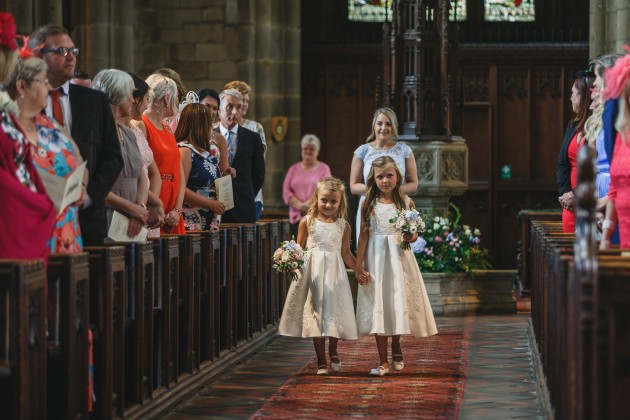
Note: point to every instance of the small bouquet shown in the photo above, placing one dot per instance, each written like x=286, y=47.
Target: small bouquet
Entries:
x=407, y=221
x=289, y=258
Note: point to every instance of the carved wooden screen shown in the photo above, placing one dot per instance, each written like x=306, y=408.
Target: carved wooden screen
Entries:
x=515, y=109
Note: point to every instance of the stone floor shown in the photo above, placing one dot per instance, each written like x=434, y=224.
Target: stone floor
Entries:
x=500, y=379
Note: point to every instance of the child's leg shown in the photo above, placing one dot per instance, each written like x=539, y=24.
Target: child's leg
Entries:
x=320, y=350
x=335, y=361
x=397, y=356
x=396, y=349
x=381, y=345
x=332, y=347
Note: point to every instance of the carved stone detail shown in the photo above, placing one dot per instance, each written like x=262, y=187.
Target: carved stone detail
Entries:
x=453, y=166
x=425, y=162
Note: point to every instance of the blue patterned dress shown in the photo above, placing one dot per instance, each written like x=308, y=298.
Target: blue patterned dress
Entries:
x=204, y=170
x=55, y=155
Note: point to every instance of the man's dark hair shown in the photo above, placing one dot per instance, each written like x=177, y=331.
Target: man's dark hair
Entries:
x=37, y=40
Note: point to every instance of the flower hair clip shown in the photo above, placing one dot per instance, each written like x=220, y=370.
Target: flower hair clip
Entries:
x=25, y=52
x=7, y=31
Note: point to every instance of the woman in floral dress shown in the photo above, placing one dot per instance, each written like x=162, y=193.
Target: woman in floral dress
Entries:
x=200, y=160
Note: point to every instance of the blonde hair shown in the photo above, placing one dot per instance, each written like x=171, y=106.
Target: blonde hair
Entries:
x=162, y=86
x=8, y=60
x=242, y=87
x=389, y=113
x=334, y=185
x=373, y=192
x=595, y=123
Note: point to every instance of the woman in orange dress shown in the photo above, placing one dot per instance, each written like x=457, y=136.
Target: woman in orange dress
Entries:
x=165, y=151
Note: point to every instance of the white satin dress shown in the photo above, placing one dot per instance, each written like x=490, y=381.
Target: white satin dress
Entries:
x=395, y=300
x=320, y=304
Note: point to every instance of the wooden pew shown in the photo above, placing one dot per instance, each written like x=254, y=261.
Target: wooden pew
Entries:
x=273, y=307
x=23, y=344
x=166, y=314
x=263, y=267
x=232, y=274
x=68, y=323
x=209, y=282
x=243, y=285
x=138, y=356
x=107, y=321
x=525, y=218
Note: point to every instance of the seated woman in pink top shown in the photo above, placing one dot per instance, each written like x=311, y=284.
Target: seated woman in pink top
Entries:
x=301, y=179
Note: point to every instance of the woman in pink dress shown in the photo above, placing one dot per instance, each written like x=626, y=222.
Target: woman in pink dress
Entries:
x=301, y=179
x=618, y=207
x=28, y=214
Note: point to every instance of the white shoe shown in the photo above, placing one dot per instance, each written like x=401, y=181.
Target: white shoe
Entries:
x=322, y=370
x=336, y=367
x=379, y=371
x=400, y=364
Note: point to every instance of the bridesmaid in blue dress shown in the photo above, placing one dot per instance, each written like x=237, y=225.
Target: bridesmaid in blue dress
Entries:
x=200, y=160
x=383, y=141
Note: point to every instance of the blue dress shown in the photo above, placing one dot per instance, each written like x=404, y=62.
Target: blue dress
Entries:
x=204, y=170
x=602, y=180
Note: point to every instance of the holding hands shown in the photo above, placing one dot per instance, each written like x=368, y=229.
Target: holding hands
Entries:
x=363, y=277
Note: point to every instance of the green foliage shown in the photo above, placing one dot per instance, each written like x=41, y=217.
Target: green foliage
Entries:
x=448, y=246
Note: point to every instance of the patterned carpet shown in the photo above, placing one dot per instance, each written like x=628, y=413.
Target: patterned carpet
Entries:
x=430, y=387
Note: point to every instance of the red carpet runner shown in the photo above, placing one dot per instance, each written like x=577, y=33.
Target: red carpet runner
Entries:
x=430, y=387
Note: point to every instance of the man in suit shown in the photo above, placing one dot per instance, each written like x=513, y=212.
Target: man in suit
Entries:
x=86, y=114
x=245, y=155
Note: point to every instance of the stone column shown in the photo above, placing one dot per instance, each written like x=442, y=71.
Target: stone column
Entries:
x=597, y=28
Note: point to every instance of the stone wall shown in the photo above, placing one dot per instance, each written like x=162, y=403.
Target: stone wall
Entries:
x=609, y=26
x=210, y=42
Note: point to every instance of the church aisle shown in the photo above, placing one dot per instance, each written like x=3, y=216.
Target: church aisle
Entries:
x=499, y=384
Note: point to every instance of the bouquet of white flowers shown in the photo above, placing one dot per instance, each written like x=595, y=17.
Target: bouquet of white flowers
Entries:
x=289, y=258
x=407, y=221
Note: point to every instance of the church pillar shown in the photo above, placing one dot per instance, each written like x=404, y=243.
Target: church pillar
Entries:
x=597, y=28
x=623, y=31
x=421, y=89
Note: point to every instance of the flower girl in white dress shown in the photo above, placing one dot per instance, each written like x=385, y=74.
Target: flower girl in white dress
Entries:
x=319, y=304
x=392, y=300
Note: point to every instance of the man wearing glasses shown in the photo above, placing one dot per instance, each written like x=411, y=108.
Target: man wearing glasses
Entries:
x=86, y=114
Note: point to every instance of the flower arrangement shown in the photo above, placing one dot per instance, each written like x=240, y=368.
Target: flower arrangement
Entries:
x=448, y=246
x=407, y=221
x=289, y=258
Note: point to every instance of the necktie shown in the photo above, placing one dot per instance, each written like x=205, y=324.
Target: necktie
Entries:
x=56, y=106
x=231, y=147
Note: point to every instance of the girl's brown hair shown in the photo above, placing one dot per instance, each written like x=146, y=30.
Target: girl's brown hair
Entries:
x=331, y=184
x=373, y=192
x=584, y=84
x=194, y=126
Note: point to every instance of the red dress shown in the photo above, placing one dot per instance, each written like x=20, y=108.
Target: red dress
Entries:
x=568, y=217
x=619, y=190
x=167, y=158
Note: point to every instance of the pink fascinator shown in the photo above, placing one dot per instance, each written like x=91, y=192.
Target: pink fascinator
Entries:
x=617, y=77
x=7, y=31
x=25, y=51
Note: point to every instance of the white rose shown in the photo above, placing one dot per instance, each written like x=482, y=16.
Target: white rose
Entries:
x=285, y=256
x=412, y=229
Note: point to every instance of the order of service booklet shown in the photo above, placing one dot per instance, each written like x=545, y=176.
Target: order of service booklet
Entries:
x=223, y=188
x=118, y=230
x=63, y=191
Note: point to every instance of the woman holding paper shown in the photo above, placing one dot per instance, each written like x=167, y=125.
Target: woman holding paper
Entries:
x=129, y=193
x=54, y=150
x=200, y=153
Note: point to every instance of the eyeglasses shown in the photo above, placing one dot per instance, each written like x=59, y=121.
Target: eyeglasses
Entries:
x=63, y=51
x=44, y=82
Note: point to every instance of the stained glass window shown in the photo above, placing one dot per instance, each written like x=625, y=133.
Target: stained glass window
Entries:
x=369, y=10
x=509, y=11
x=457, y=11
